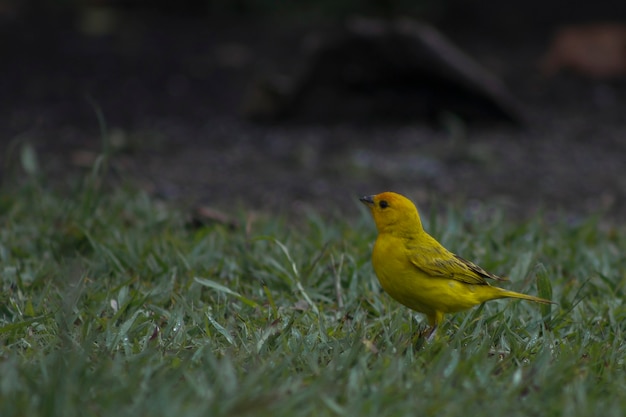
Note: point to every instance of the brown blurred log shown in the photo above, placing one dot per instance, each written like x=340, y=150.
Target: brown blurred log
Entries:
x=401, y=70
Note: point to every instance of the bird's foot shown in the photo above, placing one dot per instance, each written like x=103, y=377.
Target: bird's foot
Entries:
x=430, y=333
x=425, y=336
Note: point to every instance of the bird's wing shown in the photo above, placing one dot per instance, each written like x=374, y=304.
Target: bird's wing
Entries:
x=438, y=262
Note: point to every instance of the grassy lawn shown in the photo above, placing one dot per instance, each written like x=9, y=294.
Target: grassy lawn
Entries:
x=114, y=304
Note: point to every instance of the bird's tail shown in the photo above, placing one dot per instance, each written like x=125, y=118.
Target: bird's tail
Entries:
x=513, y=294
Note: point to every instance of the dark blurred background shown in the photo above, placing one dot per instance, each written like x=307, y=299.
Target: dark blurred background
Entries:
x=170, y=83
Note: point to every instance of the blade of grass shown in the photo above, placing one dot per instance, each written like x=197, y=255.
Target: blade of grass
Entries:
x=544, y=289
x=221, y=288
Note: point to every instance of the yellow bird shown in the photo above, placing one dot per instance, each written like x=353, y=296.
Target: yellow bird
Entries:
x=416, y=270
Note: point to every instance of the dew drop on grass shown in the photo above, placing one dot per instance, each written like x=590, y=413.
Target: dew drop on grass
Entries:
x=177, y=326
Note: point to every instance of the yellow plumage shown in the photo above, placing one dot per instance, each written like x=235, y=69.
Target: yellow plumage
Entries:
x=418, y=271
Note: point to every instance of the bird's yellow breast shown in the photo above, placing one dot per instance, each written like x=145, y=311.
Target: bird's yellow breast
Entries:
x=416, y=289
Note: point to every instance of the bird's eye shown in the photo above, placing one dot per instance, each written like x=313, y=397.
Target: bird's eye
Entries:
x=383, y=204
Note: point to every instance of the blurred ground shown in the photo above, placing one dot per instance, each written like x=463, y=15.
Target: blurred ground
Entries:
x=170, y=91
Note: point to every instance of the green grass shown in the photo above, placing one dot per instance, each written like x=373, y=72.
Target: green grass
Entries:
x=111, y=304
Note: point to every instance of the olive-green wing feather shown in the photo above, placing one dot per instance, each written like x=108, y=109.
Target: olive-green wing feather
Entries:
x=436, y=261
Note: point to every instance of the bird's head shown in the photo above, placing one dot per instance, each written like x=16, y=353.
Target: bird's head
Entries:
x=393, y=213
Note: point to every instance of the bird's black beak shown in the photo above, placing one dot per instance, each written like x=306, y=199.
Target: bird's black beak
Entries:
x=367, y=199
